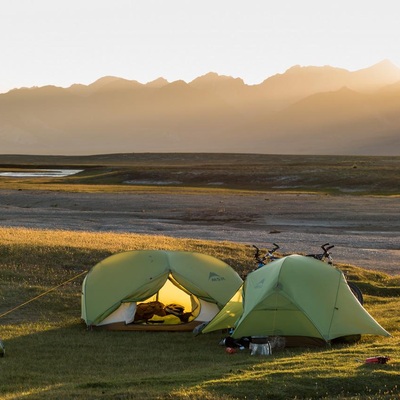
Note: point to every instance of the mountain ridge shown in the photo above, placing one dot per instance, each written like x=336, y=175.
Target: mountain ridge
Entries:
x=317, y=110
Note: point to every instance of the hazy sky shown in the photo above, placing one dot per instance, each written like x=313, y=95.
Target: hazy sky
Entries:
x=62, y=42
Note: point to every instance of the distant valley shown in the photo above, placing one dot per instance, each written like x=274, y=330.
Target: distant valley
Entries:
x=306, y=110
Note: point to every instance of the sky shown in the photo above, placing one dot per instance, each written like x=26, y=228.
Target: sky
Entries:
x=62, y=42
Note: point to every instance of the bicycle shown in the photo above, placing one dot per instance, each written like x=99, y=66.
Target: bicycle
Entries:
x=327, y=257
x=269, y=255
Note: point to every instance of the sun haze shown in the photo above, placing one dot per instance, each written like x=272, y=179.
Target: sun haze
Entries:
x=48, y=42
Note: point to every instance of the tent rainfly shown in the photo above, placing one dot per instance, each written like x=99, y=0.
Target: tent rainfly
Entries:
x=195, y=283
x=295, y=296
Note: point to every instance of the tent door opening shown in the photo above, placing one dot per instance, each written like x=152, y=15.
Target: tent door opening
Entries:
x=172, y=304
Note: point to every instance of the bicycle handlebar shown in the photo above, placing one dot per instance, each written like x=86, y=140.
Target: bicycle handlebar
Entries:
x=275, y=248
x=257, y=253
x=325, y=247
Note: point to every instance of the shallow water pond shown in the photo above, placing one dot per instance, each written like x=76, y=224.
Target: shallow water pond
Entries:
x=42, y=173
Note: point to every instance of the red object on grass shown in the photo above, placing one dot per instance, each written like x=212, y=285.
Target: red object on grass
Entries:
x=377, y=360
x=230, y=350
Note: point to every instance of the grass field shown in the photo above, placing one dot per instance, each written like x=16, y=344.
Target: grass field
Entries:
x=51, y=355
x=124, y=172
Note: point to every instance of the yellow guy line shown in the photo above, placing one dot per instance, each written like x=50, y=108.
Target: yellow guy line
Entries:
x=42, y=294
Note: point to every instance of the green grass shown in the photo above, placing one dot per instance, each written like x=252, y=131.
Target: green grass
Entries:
x=51, y=355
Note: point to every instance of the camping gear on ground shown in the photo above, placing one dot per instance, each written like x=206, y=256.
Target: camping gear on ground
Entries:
x=230, y=350
x=188, y=288
x=300, y=298
x=262, y=349
x=377, y=360
x=241, y=343
x=258, y=345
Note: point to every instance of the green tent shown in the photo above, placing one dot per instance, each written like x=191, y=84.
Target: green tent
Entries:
x=295, y=296
x=198, y=283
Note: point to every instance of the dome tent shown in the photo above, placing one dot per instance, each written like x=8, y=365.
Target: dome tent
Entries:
x=113, y=288
x=295, y=297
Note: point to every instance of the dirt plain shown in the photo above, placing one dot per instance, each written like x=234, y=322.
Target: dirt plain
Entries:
x=299, y=202
x=364, y=229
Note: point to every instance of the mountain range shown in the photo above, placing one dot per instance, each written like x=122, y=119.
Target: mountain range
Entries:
x=306, y=110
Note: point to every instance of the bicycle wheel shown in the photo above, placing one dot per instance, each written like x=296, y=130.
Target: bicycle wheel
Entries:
x=356, y=291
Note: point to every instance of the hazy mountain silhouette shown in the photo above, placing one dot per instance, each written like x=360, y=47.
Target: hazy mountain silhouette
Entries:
x=317, y=110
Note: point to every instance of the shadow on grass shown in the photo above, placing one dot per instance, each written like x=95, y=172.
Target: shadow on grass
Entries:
x=70, y=362
x=310, y=388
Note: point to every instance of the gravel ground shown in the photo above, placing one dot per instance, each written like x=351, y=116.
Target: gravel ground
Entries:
x=364, y=230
